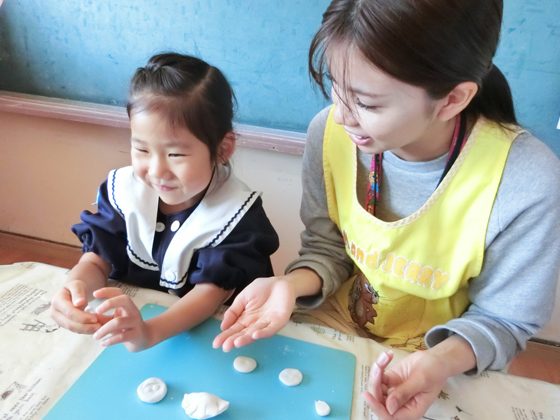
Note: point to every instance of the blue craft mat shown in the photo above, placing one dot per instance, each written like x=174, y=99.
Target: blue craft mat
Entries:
x=188, y=363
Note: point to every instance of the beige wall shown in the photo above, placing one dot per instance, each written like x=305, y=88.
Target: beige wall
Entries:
x=50, y=171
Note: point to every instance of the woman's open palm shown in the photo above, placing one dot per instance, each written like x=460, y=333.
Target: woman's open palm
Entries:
x=259, y=311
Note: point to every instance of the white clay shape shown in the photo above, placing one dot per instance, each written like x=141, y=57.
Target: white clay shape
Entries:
x=152, y=390
x=244, y=364
x=92, y=306
x=291, y=377
x=202, y=405
x=322, y=408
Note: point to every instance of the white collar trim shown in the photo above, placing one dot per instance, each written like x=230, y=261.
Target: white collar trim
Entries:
x=223, y=206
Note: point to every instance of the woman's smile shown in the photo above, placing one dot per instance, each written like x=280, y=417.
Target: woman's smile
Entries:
x=359, y=140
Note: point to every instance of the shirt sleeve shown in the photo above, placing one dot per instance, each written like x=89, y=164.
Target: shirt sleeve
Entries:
x=104, y=233
x=513, y=297
x=241, y=257
x=322, y=245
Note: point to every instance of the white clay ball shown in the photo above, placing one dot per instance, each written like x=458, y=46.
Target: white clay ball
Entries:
x=244, y=364
x=152, y=390
x=322, y=408
x=92, y=306
x=291, y=377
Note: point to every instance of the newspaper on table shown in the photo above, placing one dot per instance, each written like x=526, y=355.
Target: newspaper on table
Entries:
x=39, y=361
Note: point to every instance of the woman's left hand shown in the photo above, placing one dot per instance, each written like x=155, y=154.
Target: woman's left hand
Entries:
x=406, y=390
x=127, y=325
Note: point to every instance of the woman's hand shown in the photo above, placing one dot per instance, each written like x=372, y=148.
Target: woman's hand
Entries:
x=408, y=389
x=264, y=307
x=126, y=325
x=67, y=309
x=259, y=311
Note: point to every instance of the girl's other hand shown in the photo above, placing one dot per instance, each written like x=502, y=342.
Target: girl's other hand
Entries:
x=125, y=326
x=259, y=311
x=67, y=309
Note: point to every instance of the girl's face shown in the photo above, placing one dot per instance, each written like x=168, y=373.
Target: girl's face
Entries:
x=173, y=162
x=381, y=113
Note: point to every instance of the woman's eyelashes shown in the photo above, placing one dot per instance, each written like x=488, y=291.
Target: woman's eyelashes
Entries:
x=364, y=106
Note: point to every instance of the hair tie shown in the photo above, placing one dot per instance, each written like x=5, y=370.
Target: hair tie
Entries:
x=154, y=66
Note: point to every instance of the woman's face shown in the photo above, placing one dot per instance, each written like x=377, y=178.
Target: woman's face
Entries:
x=381, y=113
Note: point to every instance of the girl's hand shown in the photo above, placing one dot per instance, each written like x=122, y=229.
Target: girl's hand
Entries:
x=408, y=389
x=126, y=325
x=259, y=311
x=67, y=309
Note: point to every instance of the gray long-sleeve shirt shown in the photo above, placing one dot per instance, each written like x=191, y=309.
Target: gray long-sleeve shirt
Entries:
x=513, y=297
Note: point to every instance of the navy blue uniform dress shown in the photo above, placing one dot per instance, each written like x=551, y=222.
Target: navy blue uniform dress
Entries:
x=237, y=260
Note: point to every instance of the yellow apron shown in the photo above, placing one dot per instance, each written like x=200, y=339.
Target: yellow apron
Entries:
x=414, y=273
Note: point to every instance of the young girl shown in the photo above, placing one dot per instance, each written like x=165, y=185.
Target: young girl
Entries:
x=420, y=183
x=176, y=220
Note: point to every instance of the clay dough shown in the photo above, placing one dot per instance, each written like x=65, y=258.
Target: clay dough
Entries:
x=322, y=408
x=244, y=364
x=291, y=377
x=92, y=306
x=152, y=390
x=202, y=405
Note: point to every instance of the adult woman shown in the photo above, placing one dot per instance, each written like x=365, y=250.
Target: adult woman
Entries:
x=456, y=240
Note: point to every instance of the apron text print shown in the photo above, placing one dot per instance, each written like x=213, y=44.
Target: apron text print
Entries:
x=399, y=266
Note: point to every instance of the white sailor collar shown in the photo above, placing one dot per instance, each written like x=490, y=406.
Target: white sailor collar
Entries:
x=223, y=206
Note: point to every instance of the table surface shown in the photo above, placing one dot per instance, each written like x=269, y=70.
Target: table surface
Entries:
x=40, y=361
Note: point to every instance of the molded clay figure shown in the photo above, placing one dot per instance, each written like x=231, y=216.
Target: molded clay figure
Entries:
x=152, y=390
x=202, y=405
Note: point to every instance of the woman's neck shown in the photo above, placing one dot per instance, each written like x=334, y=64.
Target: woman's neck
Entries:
x=433, y=143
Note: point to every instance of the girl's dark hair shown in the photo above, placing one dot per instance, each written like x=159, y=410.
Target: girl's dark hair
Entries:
x=189, y=93
x=433, y=44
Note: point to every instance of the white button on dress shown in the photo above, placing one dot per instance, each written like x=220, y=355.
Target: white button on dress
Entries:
x=160, y=227
x=175, y=225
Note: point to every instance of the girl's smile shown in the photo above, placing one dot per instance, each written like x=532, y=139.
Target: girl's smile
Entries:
x=163, y=187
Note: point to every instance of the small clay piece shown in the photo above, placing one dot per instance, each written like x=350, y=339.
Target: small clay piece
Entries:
x=202, y=405
x=322, y=408
x=152, y=390
x=92, y=306
x=291, y=377
x=244, y=364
